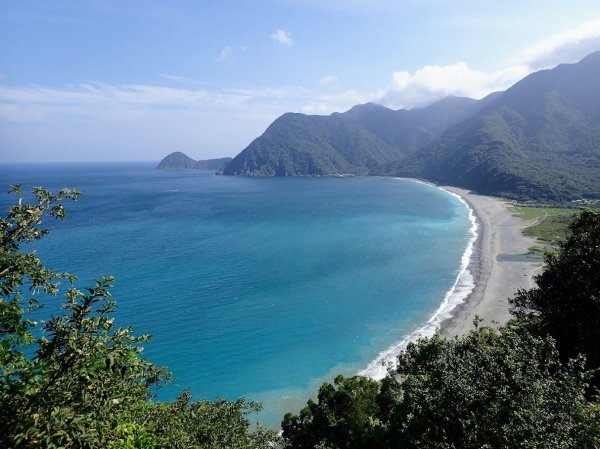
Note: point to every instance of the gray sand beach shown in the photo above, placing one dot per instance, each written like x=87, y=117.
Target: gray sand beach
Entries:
x=497, y=265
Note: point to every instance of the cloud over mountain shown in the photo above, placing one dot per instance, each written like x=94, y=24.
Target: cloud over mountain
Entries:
x=570, y=46
x=434, y=82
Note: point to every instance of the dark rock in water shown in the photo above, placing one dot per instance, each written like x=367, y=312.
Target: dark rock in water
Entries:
x=180, y=161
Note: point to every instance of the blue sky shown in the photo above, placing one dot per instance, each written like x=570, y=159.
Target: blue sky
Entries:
x=137, y=79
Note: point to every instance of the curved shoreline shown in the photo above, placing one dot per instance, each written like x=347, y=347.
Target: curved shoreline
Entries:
x=498, y=265
x=483, y=283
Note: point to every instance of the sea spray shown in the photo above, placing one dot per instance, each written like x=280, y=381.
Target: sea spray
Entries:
x=458, y=293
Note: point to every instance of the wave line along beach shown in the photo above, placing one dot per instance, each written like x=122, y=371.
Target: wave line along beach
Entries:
x=485, y=280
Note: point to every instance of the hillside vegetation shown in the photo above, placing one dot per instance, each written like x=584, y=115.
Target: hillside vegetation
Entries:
x=80, y=381
x=297, y=144
x=358, y=141
x=539, y=140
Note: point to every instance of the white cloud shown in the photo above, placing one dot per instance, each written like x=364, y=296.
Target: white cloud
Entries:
x=178, y=78
x=145, y=116
x=567, y=47
x=224, y=54
x=434, y=82
x=37, y=103
x=136, y=121
x=329, y=80
x=282, y=37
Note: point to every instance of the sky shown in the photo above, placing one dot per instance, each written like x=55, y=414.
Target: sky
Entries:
x=128, y=80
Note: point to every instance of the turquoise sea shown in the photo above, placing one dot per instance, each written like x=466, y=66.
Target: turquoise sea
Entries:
x=256, y=287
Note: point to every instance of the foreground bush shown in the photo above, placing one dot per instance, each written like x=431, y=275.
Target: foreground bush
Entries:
x=528, y=385
x=566, y=300
x=77, y=380
x=492, y=389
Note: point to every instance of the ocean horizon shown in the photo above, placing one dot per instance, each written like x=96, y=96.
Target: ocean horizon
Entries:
x=260, y=287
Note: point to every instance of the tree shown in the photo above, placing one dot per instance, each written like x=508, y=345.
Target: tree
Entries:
x=525, y=385
x=77, y=380
x=489, y=389
x=344, y=416
x=566, y=301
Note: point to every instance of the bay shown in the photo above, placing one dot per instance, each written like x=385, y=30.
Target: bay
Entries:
x=255, y=287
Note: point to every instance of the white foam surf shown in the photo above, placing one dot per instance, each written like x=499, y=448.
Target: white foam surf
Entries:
x=461, y=289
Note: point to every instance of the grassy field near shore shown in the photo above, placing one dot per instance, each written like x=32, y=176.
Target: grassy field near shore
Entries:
x=548, y=225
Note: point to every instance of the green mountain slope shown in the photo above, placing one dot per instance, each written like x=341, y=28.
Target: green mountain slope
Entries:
x=409, y=130
x=538, y=140
x=298, y=144
x=357, y=141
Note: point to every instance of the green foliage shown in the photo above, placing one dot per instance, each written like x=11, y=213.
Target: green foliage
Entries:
x=297, y=144
x=358, y=141
x=549, y=223
x=488, y=389
x=526, y=385
x=344, y=416
x=566, y=301
x=538, y=140
x=205, y=424
x=77, y=380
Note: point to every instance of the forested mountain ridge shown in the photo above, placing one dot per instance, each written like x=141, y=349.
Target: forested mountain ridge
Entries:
x=540, y=139
x=409, y=129
x=357, y=141
x=298, y=144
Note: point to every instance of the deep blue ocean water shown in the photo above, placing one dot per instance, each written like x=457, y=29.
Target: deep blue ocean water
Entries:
x=255, y=287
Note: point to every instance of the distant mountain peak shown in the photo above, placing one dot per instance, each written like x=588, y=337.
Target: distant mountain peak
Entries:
x=592, y=57
x=368, y=106
x=540, y=139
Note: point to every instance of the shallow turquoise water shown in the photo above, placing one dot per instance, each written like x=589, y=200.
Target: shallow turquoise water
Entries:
x=260, y=288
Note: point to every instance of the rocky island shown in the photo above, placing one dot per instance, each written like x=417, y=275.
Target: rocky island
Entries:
x=181, y=161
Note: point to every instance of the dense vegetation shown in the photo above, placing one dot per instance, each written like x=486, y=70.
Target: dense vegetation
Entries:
x=359, y=141
x=78, y=380
x=297, y=144
x=538, y=140
x=530, y=384
x=566, y=302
